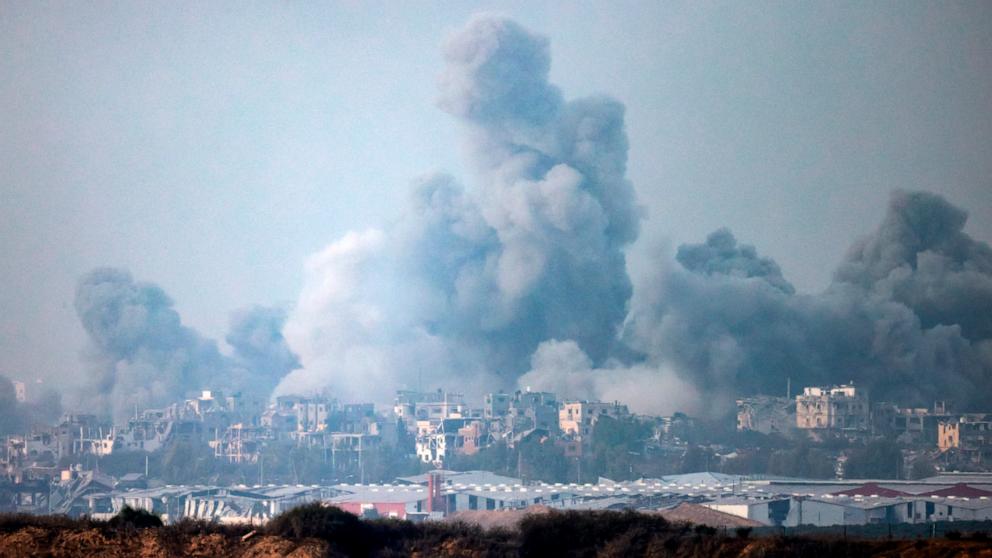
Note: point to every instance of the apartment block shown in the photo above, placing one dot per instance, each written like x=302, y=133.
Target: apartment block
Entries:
x=842, y=407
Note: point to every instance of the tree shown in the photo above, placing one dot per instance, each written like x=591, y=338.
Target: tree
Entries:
x=386, y=463
x=541, y=459
x=922, y=468
x=616, y=445
x=880, y=459
x=748, y=462
x=801, y=462
x=696, y=459
x=187, y=462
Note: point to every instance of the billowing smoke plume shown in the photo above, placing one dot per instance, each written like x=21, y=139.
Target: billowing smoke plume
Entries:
x=141, y=354
x=522, y=282
x=648, y=387
x=261, y=356
x=921, y=257
x=892, y=321
x=463, y=290
x=721, y=255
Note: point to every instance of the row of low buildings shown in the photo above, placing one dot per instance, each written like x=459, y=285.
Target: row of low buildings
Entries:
x=435, y=426
x=793, y=502
x=772, y=502
x=847, y=411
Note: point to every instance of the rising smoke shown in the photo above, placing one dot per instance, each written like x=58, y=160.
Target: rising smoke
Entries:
x=141, y=354
x=731, y=322
x=521, y=282
x=467, y=286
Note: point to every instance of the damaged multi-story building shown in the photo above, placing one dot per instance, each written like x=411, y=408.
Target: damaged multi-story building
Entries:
x=841, y=408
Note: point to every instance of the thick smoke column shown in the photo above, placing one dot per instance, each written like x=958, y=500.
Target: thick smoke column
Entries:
x=894, y=319
x=522, y=281
x=464, y=289
x=921, y=257
x=721, y=255
x=141, y=354
x=261, y=357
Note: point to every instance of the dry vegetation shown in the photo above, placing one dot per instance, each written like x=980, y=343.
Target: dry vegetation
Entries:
x=316, y=531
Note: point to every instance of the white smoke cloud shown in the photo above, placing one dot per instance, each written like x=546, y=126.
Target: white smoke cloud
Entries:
x=522, y=280
x=467, y=285
x=562, y=367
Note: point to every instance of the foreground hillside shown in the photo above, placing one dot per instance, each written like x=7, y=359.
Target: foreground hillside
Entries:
x=313, y=531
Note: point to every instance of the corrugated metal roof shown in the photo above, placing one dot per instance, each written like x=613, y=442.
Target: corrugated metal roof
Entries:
x=959, y=490
x=464, y=477
x=871, y=489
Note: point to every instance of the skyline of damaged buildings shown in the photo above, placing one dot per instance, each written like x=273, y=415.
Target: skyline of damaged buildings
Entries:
x=440, y=425
x=443, y=424
x=56, y=469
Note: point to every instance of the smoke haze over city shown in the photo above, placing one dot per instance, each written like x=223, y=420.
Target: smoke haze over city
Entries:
x=539, y=261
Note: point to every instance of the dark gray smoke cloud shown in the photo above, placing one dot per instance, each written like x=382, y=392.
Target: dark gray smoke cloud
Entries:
x=261, y=356
x=921, y=257
x=721, y=255
x=522, y=279
x=141, y=354
x=894, y=320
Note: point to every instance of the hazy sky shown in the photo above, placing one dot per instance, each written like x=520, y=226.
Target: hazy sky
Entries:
x=212, y=147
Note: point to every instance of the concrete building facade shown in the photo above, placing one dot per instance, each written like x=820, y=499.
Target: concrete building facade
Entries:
x=841, y=407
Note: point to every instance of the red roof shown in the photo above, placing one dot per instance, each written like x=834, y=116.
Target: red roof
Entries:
x=959, y=490
x=872, y=489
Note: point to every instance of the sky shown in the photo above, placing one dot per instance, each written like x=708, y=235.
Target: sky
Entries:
x=212, y=148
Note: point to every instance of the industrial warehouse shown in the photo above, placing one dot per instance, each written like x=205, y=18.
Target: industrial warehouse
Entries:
x=439, y=494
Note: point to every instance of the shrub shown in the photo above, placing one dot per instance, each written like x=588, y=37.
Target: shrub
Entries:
x=743, y=532
x=139, y=519
x=10, y=522
x=704, y=530
x=315, y=520
x=580, y=533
